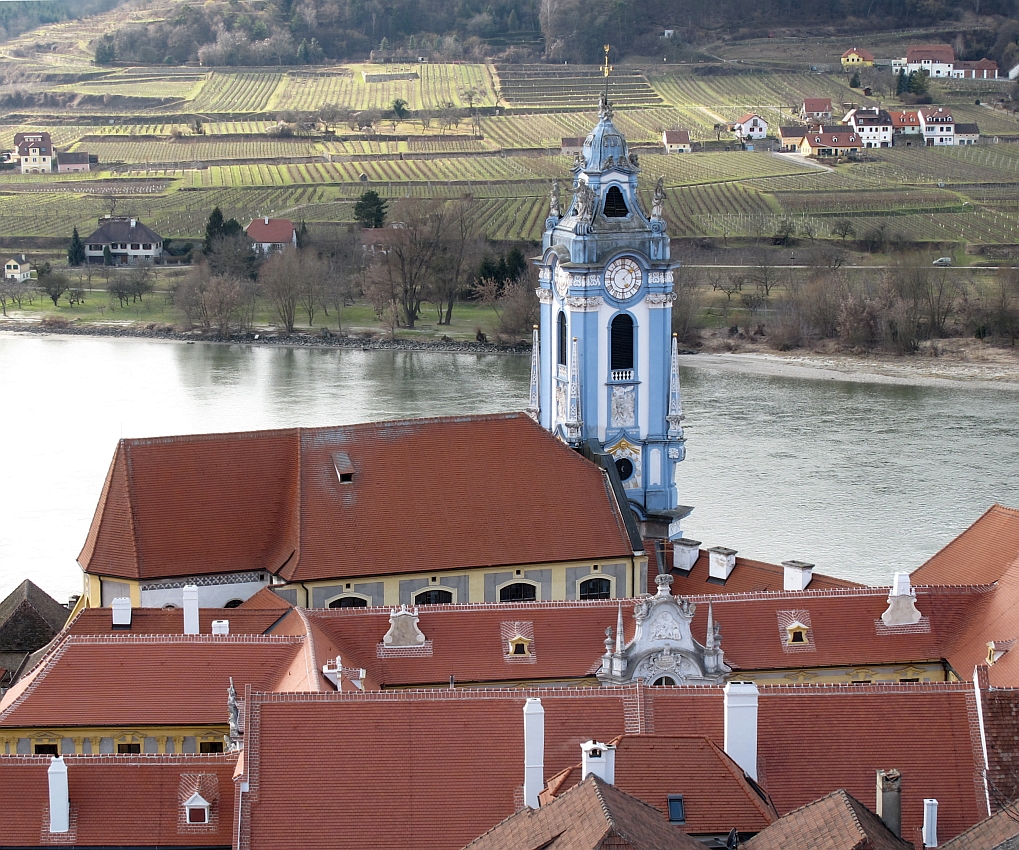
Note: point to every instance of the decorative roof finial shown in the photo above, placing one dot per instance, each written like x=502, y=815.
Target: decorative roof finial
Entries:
x=575, y=421
x=619, y=629
x=675, y=415
x=709, y=640
x=606, y=69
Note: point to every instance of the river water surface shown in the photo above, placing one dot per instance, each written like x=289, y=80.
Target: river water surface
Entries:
x=861, y=479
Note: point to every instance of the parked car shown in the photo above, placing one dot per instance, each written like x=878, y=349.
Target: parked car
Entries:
x=943, y=261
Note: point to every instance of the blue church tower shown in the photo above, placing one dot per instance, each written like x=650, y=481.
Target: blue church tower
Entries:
x=606, y=363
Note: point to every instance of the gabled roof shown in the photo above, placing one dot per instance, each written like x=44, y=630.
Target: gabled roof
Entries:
x=716, y=793
x=73, y=158
x=273, y=500
x=120, y=800
x=797, y=132
x=977, y=65
x=871, y=117
x=836, y=822
x=865, y=55
x=967, y=129
x=159, y=621
x=939, y=114
x=942, y=53
x=29, y=618
x=270, y=230
x=990, y=834
x=817, y=104
x=677, y=137
x=979, y=555
x=138, y=680
x=832, y=137
x=591, y=816
x=904, y=118
x=749, y=116
x=118, y=230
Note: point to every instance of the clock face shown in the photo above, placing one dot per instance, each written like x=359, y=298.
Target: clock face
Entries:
x=562, y=281
x=622, y=278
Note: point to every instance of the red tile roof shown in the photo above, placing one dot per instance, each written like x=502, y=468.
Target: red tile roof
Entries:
x=591, y=816
x=935, y=52
x=272, y=500
x=717, y=795
x=266, y=598
x=817, y=104
x=122, y=800
x=936, y=114
x=980, y=555
x=1000, y=710
x=831, y=137
x=157, y=621
x=271, y=231
x=978, y=65
x=904, y=118
x=135, y=680
x=989, y=833
x=865, y=55
x=677, y=137
x=836, y=822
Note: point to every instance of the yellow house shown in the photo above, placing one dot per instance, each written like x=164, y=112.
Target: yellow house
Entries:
x=857, y=57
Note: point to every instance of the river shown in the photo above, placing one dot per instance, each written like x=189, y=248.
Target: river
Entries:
x=861, y=479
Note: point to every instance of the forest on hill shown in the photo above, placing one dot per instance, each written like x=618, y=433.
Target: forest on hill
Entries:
x=293, y=32
x=17, y=16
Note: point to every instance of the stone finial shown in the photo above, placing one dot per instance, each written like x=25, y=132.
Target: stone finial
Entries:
x=403, y=628
x=664, y=582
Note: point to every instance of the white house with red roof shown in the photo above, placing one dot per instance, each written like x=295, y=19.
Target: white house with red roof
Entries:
x=816, y=109
x=873, y=126
x=938, y=60
x=677, y=141
x=749, y=126
x=272, y=234
x=34, y=151
x=937, y=126
x=905, y=127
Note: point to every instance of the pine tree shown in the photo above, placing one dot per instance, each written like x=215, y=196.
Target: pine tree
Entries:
x=76, y=250
x=854, y=83
x=901, y=83
x=370, y=209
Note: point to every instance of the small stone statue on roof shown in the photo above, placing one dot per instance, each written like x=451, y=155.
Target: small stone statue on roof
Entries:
x=585, y=202
x=231, y=701
x=658, y=202
x=604, y=107
x=553, y=206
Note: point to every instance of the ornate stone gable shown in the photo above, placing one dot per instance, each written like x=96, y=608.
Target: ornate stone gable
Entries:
x=663, y=649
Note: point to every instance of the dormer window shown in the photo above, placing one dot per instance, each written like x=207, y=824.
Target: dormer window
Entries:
x=344, y=468
x=519, y=645
x=677, y=809
x=196, y=810
x=797, y=634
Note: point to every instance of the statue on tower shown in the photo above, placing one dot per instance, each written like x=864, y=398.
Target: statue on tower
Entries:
x=658, y=202
x=604, y=107
x=553, y=205
x=585, y=202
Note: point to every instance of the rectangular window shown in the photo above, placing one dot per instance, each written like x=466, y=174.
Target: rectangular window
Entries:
x=198, y=814
x=210, y=747
x=46, y=749
x=134, y=246
x=129, y=748
x=677, y=809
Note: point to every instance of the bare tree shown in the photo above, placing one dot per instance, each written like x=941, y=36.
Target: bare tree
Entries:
x=515, y=303
x=311, y=277
x=843, y=228
x=280, y=281
x=458, y=257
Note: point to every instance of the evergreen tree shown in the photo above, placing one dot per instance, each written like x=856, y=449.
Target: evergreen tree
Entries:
x=107, y=256
x=901, y=83
x=370, y=210
x=106, y=52
x=302, y=235
x=217, y=228
x=76, y=250
x=854, y=83
x=918, y=83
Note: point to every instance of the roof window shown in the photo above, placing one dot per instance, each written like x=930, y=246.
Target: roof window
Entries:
x=344, y=468
x=677, y=809
x=519, y=645
x=797, y=633
x=196, y=809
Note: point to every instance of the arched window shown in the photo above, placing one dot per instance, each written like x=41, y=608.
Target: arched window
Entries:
x=233, y=603
x=561, y=328
x=518, y=592
x=433, y=597
x=349, y=602
x=621, y=356
x=596, y=588
x=615, y=203
x=663, y=682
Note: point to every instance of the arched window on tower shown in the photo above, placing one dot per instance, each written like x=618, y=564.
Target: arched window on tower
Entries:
x=615, y=203
x=621, y=348
x=561, y=328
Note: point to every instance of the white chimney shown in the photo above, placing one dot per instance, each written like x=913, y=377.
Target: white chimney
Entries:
x=901, y=586
x=534, y=751
x=121, y=611
x=133, y=222
x=930, y=823
x=740, y=725
x=599, y=759
x=796, y=575
x=190, y=609
x=721, y=562
x=60, y=801
x=685, y=553
x=902, y=610
x=221, y=627
x=267, y=219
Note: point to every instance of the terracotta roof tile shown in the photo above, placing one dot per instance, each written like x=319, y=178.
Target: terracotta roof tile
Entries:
x=716, y=793
x=836, y=822
x=935, y=52
x=1001, y=725
x=272, y=500
x=122, y=800
x=587, y=817
x=147, y=680
x=157, y=621
x=980, y=555
x=990, y=834
x=270, y=230
x=865, y=55
x=817, y=104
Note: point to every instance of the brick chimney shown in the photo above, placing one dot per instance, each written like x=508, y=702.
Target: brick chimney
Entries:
x=889, y=800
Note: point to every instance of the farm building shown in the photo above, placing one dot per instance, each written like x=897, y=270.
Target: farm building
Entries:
x=831, y=141
x=18, y=269
x=128, y=241
x=72, y=161
x=937, y=126
x=272, y=234
x=938, y=60
x=857, y=57
x=967, y=134
x=677, y=141
x=873, y=125
x=571, y=146
x=816, y=109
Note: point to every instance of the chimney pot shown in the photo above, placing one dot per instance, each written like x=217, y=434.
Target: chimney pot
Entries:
x=598, y=759
x=121, y=611
x=685, y=553
x=267, y=219
x=889, y=800
x=534, y=751
x=221, y=627
x=796, y=575
x=901, y=585
x=133, y=222
x=60, y=801
x=740, y=725
x=930, y=823
x=721, y=562
x=190, y=609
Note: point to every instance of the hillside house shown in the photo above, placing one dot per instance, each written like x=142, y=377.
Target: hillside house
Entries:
x=874, y=126
x=129, y=241
x=831, y=141
x=967, y=134
x=272, y=234
x=677, y=141
x=750, y=126
x=981, y=69
x=938, y=60
x=906, y=127
x=72, y=161
x=937, y=126
x=816, y=109
x=18, y=268
x=857, y=57
x=790, y=138
x=34, y=152
x=571, y=146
